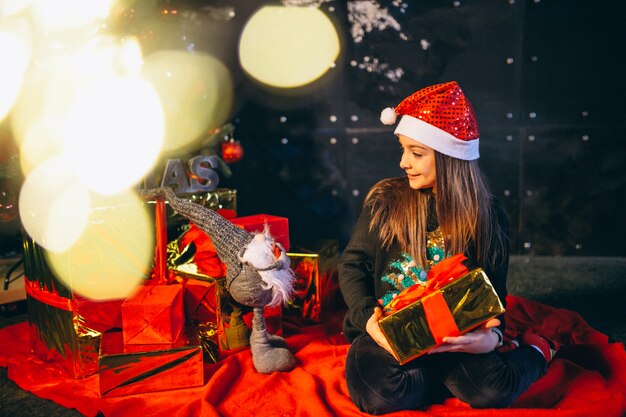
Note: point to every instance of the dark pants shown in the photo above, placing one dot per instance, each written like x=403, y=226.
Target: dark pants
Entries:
x=378, y=384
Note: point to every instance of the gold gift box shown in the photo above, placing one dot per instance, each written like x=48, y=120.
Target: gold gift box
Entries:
x=134, y=369
x=62, y=329
x=471, y=299
x=316, y=293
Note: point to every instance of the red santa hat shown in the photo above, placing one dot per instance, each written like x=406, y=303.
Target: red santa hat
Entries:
x=440, y=117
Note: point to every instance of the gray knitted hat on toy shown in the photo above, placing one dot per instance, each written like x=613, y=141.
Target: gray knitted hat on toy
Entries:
x=243, y=281
x=229, y=240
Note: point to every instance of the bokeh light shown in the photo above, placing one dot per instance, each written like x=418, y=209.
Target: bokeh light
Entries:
x=52, y=84
x=40, y=144
x=114, y=254
x=288, y=47
x=54, y=206
x=11, y=7
x=61, y=15
x=196, y=92
x=113, y=133
x=15, y=53
x=38, y=115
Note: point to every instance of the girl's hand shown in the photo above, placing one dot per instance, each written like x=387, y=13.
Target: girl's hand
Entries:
x=481, y=340
x=373, y=329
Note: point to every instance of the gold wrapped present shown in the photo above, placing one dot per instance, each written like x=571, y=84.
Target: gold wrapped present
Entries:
x=134, y=369
x=450, y=307
x=316, y=288
x=64, y=328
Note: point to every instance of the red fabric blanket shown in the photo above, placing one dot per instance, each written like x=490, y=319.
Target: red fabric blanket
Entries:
x=588, y=378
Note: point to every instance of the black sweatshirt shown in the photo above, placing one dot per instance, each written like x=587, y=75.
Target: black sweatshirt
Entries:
x=365, y=261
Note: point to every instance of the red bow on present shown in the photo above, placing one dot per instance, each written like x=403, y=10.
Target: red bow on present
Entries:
x=439, y=276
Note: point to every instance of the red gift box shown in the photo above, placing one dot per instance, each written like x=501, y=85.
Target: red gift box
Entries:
x=153, y=315
x=200, y=300
x=133, y=369
x=278, y=226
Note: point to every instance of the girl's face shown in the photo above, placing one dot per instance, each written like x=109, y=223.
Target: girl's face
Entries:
x=418, y=161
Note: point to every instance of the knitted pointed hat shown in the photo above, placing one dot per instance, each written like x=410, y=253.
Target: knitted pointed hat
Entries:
x=230, y=241
x=440, y=117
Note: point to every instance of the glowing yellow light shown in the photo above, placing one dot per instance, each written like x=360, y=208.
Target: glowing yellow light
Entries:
x=130, y=57
x=54, y=206
x=114, y=254
x=11, y=7
x=59, y=15
x=15, y=50
x=52, y=84
x=39, y=144
x=47, y=92
x=113, y=133
x=288, y=46
x=195, y=91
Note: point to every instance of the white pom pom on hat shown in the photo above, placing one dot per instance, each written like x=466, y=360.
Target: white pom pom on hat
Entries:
x=388, y=116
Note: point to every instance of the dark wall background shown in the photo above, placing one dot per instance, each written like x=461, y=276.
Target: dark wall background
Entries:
x=546, y=79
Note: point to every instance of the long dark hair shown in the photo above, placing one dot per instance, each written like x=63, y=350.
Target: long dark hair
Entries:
x=464, y=212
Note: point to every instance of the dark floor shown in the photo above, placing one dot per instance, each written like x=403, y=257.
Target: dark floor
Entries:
x=593, y=287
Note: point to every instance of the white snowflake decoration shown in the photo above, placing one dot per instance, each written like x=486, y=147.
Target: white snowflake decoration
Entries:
x=374, y=65
x=367, y=15
x=304, y=3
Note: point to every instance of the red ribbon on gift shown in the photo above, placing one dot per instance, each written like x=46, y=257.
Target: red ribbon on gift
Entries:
x=51, y=298
x=438, y=315
x=160, y=253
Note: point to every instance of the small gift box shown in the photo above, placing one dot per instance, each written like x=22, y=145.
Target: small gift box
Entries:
x=453, y=302
x=154, y=314
x=278, y=226
x=133, y=369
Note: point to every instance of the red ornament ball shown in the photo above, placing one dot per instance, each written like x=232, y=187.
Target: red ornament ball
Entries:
x=232, y=151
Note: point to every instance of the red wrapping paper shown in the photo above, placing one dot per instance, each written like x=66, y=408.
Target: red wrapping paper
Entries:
x=278, y=226
x=200, y=301
x=205, y=258
x=587, y=378
x=135, y=369
x=153, y=315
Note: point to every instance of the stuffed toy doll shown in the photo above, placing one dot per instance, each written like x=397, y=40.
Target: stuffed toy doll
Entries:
x=257, y=275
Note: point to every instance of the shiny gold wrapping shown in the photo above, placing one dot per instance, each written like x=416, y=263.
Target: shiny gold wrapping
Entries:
x=56, y=334
x=471, y=299
x=219, y=199
x=181, y=262
x=134, y=369
x=316, y=288
x=305, y=300
x=207, y=332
